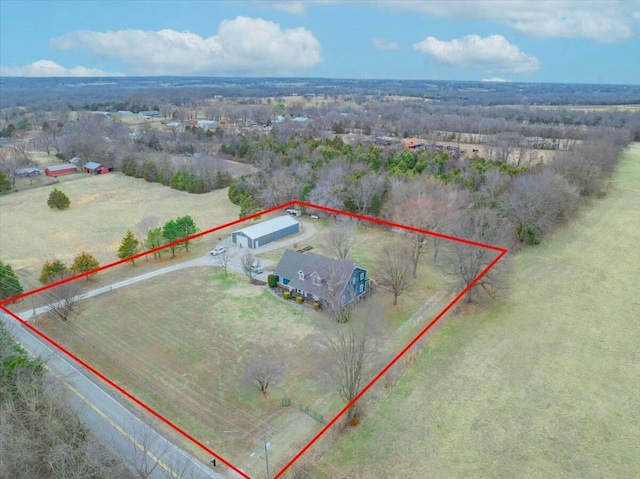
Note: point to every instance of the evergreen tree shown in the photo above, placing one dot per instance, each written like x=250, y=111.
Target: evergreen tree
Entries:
x=187, y=228
x=83, y=263
x=172, y=232
x=53, y=271
x=5, y=182
x=57, y=199
x=129, y=246
x=154, y=239
x=9, y=283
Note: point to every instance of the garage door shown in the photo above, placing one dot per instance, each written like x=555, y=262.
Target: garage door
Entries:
x=242, y=241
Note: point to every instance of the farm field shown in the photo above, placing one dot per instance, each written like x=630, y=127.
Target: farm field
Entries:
x=102, y=209
x=545, y=385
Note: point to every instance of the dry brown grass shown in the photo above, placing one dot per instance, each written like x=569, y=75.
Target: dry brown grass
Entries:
x=102, y=209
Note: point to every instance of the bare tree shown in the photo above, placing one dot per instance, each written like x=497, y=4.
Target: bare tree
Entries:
x=535, y=203
x=465, y=262
x=349, y=347
x=395, y=267
x=250, y=265
x=12, y=159
x=366, y=194
x=65, y=299
x=341, y=237
x=262, y=373
x=225, y=258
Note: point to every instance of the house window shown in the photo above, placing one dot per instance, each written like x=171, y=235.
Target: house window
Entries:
x=353, y=281
x=301, y=275
x=361, y=289
x=315, y=279
x=361, y=275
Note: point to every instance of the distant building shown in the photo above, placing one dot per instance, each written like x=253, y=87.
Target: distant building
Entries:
x=147, y=114
x=265, y=232
x=300, y=119
x=28, y=172
x=59, y=170
x=94, y=168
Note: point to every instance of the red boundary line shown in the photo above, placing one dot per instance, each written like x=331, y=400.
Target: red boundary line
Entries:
x=502, y=252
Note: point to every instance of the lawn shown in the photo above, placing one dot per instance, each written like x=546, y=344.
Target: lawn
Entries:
x=181, y=342
x=102, y=208
x=545, y=385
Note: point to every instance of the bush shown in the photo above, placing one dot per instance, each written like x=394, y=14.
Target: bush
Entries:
x=57, y=199
x=299, y=300
x=286, y=295
x=316, y=306
x=271, y=281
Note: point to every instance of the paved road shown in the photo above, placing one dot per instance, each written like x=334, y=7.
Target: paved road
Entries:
x=130, y=438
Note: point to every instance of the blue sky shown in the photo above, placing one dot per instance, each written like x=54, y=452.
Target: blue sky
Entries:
x=570, y=41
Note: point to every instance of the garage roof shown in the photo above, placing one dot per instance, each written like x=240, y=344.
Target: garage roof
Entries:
x=261, y=229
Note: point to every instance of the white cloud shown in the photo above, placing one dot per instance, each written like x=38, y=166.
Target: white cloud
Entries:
x=606, y=21
x=493, y=53
x=241, y=46
x=384, y=45
x=48, y=68
x=292, y=7
x=494, y=79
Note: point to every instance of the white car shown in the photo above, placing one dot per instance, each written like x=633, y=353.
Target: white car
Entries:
x=218, y=250
x=257, y=268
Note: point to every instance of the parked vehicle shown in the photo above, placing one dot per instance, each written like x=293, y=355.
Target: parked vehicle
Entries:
x=257, y=268
x=218, y=250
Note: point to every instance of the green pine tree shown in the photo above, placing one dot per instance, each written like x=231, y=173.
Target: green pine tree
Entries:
x=5, y=182
x=129, y=246
x=57, y=199
x=9, y=283
x=172, y=232
x=187, y=228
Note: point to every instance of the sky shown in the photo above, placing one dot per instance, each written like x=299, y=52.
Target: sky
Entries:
x=558, y=41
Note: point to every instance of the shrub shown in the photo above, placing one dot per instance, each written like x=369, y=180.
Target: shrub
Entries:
x=271, y=281
x=286, y=295
x=299, y=300
x=57, y=199
x=316, y=306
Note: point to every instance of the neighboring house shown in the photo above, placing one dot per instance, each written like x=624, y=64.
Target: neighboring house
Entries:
x=59, y=170
x=94, y=168
x=75, y=160
x=262, y=233
x=28, y=172
x=324, y=279
x=147, y=114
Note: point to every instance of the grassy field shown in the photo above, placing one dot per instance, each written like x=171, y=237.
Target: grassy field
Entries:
x=546, y=385
x=183, y=349
x=102, y=208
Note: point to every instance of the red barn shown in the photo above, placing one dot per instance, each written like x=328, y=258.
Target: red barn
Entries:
x=94, y=168
x=59, y=170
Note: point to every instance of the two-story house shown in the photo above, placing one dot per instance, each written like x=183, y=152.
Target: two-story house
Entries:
x=324, y=279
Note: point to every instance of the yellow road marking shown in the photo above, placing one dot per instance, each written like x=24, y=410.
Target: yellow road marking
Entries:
x=139, y=445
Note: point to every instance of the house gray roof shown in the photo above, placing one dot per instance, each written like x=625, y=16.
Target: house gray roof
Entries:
x=328, y=271
x=92, y=165
x=264, y=228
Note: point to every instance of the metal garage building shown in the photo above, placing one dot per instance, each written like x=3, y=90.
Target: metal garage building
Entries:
x=265, y=232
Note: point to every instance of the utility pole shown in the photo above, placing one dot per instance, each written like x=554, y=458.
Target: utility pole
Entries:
x=267, y=446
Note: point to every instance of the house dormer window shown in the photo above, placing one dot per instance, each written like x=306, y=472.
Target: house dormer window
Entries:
x=301, y=275
x=316, y=280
